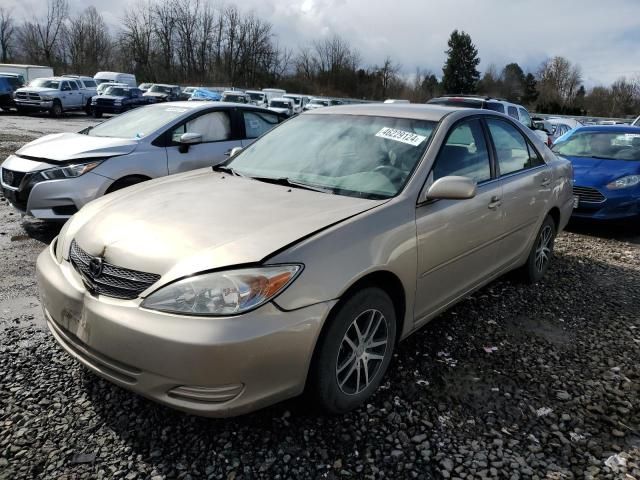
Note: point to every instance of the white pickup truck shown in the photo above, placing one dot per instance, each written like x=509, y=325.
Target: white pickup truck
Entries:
x=55, y=95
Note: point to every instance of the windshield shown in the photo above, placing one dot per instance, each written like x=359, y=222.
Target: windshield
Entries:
x=604, y=145
x=295, y=100
x=233, y=98
x=116, y=91
x=160, y=89
x=44, y=83
x=324, y=103
x=137, y=123
x=276, y=104
x=361, y=156
x=257, y=96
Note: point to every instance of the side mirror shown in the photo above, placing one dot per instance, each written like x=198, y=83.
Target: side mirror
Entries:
x=234, y=151
x=451, y=188
x=188, y=139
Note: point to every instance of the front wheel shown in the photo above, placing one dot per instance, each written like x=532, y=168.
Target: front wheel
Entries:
x=541, y=252
x=354, y=352
x=56, y=109
x=97, y=113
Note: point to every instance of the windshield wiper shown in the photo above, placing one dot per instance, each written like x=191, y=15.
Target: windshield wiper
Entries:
x=287, y=182
x=226, y=169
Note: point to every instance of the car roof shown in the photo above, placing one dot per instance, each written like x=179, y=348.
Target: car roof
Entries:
x=400, y=110
x=204, y=105
x=609, y=129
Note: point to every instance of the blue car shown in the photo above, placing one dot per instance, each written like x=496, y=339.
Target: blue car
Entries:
x=606, y=166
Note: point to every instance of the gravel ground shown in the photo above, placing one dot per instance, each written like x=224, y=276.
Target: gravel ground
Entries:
x=516, y=381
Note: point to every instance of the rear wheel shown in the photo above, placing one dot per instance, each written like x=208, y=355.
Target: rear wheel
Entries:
x=541, y=252
x=97, y=113
x=56, y=109
x=354, y=352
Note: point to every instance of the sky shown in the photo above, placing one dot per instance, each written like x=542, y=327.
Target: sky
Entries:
x=603, y=37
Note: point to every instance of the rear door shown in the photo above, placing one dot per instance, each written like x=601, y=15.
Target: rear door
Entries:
x=220, y=133
x=255, y=123
x=526, y=186
x=458, y=239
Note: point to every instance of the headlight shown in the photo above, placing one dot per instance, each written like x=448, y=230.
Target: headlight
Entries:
x=223, y=293
x=69, y=171
x=624, y=182
x=46, y=98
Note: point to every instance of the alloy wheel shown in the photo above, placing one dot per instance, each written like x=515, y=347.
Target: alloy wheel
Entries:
x=362, y=352
x=543, y=248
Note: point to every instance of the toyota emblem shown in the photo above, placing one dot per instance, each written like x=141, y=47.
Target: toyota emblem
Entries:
x=95, y=267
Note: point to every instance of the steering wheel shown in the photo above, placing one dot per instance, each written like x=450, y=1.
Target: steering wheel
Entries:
x=394, y=174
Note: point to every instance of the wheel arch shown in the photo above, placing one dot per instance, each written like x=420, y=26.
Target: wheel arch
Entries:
x=123, y=181
x=554, y=213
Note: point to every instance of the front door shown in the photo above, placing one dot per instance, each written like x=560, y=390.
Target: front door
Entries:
x=458, y=239
x=218, y=138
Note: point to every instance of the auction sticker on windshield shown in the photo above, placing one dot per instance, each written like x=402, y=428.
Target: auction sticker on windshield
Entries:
x=409, y=138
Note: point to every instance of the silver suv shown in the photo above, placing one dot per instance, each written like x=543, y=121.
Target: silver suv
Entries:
x=515, y=111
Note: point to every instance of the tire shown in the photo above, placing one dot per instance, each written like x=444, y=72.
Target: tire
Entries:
x=87, y=108
x=21, y=111
x=124, y=183
x=97, y=113
x=56, y=109
x=541, y=252
x=342, y=365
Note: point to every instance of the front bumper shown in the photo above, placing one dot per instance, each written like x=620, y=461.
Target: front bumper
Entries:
x=55, y=199
x=617, y=205
x=110, y=108
x=206, y=366
x=34, y=104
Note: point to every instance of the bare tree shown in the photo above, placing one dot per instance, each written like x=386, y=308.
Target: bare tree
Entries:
x=7, y=31
x=88, y=42
x=42, y=39
x=387, y=73
x=559, y=81
x=137, y=40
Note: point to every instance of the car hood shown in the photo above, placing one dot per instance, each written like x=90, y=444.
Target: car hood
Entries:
x=62, y=147
x=595, y=172
x=155, y=94
x=112, y=97
x=37, y=90
x=279, y=109
x=203, y=220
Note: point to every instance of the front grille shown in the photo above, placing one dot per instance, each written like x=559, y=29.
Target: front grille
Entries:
x=112, y=281
x=27, y=96
x=12, y=178
x=588, y=194
x=107, y=102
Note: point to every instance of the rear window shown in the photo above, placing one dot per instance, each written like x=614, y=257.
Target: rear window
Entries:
x=496, y=107
x=89, y=83
x=513, y=112
x=457, y=102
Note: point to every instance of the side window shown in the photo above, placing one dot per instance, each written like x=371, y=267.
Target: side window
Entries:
x=525, y=119
x=495, y=106
x=513, y=112
x=89, y=84
x=74, y=85
x=213, y=126
x=464, y=153
x=64, y=86
x=257, y=123
x=513, y=151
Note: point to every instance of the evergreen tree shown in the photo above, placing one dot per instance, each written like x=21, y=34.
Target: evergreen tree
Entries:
x=513, y=81
x=530, y=90
x=460, y=70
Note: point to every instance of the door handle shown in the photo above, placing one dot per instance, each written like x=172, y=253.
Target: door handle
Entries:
x=545, y=182
x=495, y=202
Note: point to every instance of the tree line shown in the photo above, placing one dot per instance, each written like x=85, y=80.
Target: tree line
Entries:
x=197, y=42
